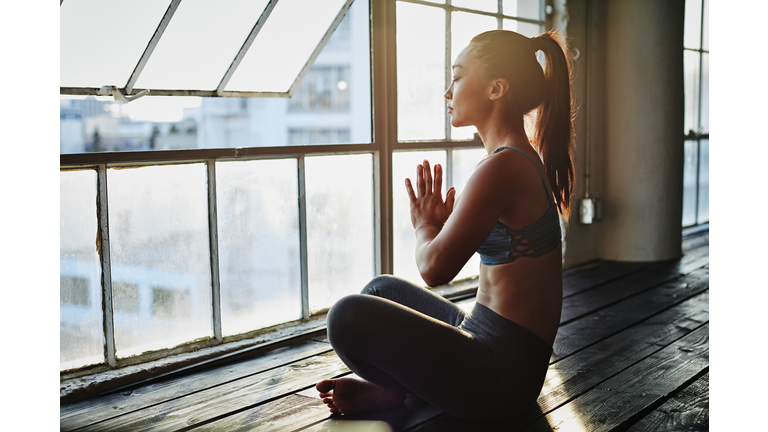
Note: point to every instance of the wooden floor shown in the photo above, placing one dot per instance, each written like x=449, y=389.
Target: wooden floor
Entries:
x=632, y=353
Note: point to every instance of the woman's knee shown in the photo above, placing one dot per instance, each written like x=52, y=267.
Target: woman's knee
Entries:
x=380, y=285
x=348, y=318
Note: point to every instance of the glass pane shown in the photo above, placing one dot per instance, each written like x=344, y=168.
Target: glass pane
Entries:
x=464, y=162
x=703, y=181
x=525, y=29
x=689, y=184
x=339, y=226
x=483, y=5
x=692, y=33
x=80, y=318
x=295, y=27
x=704, y=124
x=258, y=230
x=404, y=242
x=464, y=26
x=331, y=105
x=421, y=108
x=203, y=56
x=705, y=30
x=158, y=223
x=94, y=52
x=523, y=8
x=691, y=77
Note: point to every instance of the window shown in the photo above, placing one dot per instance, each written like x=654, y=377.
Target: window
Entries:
x=696, y=144
x=260, y=211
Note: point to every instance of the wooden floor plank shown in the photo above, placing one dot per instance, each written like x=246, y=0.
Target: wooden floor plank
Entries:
x=588, y=276
x=83, y=413
x=218, y=402
x=599, y=325
x=284, y=414
x=633, y=392
x=686, y=411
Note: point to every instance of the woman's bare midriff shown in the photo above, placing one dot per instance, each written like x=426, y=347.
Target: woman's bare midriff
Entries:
x=527, y=291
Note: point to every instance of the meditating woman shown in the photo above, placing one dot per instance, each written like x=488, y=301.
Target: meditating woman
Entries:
x=399, y=337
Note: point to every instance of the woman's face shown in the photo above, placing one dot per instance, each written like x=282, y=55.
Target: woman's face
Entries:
x=469, y=93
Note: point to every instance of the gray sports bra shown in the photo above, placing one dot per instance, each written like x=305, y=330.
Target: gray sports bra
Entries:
x=505, y=245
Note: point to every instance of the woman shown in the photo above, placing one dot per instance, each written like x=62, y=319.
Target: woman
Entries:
x=491, y=362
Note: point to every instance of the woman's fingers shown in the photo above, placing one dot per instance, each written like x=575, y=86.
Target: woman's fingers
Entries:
x=409, y=190
x=438, y=188
x=450, y=198
x=428, y=177
x=420, y=184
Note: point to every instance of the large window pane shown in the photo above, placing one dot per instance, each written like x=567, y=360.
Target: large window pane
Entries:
x=80, y=322
x=258, y=234
x=705, y=30
x=332, y=105
x=704, y=123
x=689, y=183
x=692, y=29
x=691, y=79
x=465, y=26
x=703, y=181
x=158, y=223
x=483, y=5
x=339, y=226
x=524, y=28
x=204, y=56
x=421, y=108
x=523, y=8
x=464, y=163
x=404, y=241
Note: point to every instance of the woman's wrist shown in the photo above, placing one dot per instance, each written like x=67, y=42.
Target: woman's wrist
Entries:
x=427, y=231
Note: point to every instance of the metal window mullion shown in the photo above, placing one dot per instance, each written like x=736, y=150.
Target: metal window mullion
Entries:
x=499, y=19
x=106, y=268
x=246, y=45
x=151, y=45
x=213, y=240
x=303, y=253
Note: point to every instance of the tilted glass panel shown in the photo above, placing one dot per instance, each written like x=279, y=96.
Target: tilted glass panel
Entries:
x=692, y=26
x=523, y=8
x=704, y=119
x=103, y=40
x=284, y=44
x=404, y=241
x=703, y=181
x=258, y=230
x=200, y=43
x=80, y=317
x=525, y=29
x=691, y=81
x=158, y=224
x=689, y=183
x=464, y=163
x=482, y=5
x=339, y=226
x=464, y=26
x=421, y=106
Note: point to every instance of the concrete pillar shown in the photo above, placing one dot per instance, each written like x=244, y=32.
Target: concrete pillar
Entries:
x=642, y=130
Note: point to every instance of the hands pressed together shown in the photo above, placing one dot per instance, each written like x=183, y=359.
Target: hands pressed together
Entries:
x=428, y=208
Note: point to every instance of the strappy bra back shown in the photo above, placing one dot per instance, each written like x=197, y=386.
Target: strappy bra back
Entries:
x=505, y=245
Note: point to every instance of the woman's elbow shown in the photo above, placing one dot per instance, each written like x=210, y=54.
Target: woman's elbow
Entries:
x=435, y=275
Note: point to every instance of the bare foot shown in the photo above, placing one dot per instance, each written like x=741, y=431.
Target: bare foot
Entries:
x=351, y=395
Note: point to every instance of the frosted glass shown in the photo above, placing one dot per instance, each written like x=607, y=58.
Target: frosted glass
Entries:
x=691, y=82
x=464, y=163
x=339, y=226
x=703, y=181
x=689, y=184
x=80, y=322
x=258, y=221
x=158, y=222
x=295, y=27
x=102, y=48
x=200, y=43
x=705, y=30
x=404, y=241
x=704, y=119
x=523, y=8
x=421, y=108
x=464, y=26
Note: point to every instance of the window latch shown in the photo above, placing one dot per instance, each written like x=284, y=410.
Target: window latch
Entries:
x=115, y=92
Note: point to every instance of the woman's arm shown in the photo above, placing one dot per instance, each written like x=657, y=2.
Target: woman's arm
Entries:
x=446, y=237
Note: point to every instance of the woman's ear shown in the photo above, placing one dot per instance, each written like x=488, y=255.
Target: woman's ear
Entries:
x=499, y=88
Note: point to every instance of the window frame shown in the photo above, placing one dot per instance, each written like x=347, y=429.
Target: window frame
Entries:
x=383, y=67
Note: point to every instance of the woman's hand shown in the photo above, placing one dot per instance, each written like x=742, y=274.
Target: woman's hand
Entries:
x=428, y=207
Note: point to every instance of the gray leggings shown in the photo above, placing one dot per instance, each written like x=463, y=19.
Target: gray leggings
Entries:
x=474, y=365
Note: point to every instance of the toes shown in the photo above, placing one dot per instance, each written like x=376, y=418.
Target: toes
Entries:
x=325, y=395
x=325, y=386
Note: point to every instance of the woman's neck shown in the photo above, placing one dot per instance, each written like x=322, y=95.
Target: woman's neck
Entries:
x=503, y=131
